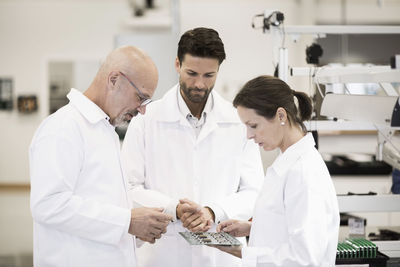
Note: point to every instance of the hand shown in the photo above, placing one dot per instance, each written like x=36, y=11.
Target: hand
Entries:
x=233, y=250
x=194, y=217
x=186, y=206
x=235, y=228
x=148, y=223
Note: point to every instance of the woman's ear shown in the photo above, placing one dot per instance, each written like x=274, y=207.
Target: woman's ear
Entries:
x=282, y=116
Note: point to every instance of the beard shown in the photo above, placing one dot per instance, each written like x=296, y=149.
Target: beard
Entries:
x=194, y=94
x=124, y=119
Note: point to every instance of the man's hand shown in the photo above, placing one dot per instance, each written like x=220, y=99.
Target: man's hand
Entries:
x=148, y=223
x=235, y=228
x=186, y=206
x=194, y=217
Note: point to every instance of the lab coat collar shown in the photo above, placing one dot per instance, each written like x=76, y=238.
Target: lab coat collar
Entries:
x=184, y=109
x=221, y=110
x=86, y=107
x=286, y=159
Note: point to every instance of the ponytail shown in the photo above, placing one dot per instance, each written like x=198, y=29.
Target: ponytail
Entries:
x=305, y=105
x=304, y=110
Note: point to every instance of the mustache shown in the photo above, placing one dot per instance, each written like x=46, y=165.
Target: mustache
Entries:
x=197, y=89
x=133, y=113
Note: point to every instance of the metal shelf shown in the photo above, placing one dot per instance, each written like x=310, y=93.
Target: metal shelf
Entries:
x=374, y=203
x=341, y=29
x=340, y=125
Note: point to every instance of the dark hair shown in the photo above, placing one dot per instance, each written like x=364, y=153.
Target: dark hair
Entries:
x=201, y=42
x=265, y=94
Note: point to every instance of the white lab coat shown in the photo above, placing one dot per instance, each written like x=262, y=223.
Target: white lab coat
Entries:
x=296, y=217
x=78, y=199
x=165, y=162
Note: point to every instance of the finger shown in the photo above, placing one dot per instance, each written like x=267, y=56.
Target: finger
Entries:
x=154, y=233
x=146, y=239
x=185, y=216
x=189, y=220
x=142, y=238
x=226, y=223
x=158, y=226
x=161, y=224
x=186, y=200
x=230, y=228
x=196, y=223
x=202, y=227
x=229, y=231
x=221, y=226
x=190, y=208
x=162, y=217
x=189, y=217
x=157, y=236
x=207, y=226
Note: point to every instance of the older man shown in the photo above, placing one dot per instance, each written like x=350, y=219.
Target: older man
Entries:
x=81, y=212
x=189, y=154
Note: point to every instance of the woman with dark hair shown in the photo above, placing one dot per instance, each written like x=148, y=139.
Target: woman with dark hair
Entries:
x=296, y=216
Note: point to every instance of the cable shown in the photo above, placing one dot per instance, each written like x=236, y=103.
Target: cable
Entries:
x=283, y=34
x=317, y=82
x=319, y=88
x=252, y=21
x=387, y=139
x=346, y=89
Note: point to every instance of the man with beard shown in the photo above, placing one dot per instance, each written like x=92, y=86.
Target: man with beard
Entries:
x=80, y=207
x=189, y=154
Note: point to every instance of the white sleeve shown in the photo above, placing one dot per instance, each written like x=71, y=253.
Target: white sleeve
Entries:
x=134, y=166
x=239, y=205
x=306, y=220
x=55, y=166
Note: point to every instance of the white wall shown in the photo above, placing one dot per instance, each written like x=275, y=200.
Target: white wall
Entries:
x=33, y=32
x=359, y=12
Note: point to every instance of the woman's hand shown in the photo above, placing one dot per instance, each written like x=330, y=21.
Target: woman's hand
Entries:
x=235, y=228
x=233, y=250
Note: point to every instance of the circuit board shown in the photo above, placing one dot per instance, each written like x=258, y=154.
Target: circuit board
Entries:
x=210, y=238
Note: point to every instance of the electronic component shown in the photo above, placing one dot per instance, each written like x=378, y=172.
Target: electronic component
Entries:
x=210, y=238
x=359, y=251
x=270, y=18
x=313, y=53
x=356, y=248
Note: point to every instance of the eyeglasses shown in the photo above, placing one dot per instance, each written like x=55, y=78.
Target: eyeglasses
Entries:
x=143, y=99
